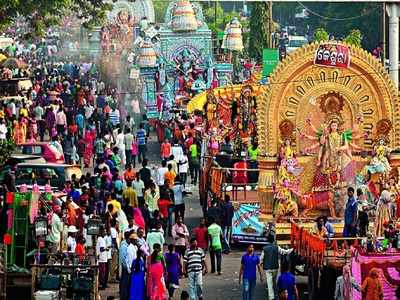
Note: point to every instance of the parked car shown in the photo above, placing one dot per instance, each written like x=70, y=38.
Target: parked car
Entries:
x=45, y=149
x=27, y=158
x=58, y=174
x=295, y=42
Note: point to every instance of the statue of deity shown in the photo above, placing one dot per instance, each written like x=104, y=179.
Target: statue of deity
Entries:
x=184, y=63
x=379, y=162
x=287, y=189
x=335, y=144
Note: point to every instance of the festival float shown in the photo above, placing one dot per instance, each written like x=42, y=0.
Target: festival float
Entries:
x=327, y=120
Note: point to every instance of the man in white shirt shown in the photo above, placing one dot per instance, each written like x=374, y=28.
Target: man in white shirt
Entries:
x=161, y=173
x=71, y=241
x=120, y=144
x=177, y=152
x=101, y=252
x=56, y=228
x=131, y=253
x=138, y=186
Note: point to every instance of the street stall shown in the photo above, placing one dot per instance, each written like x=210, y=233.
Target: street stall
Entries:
x=31, y=270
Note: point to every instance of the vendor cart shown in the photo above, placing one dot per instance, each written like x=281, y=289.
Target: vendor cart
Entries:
x=72, y=281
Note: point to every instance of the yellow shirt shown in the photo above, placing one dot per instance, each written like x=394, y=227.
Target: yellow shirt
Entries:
x=129, y=195
x=23, y=112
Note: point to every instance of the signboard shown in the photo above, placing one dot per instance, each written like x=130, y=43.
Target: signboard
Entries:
x=270, y=60
x=246, y=226
x=332, y=55
x=224, y=67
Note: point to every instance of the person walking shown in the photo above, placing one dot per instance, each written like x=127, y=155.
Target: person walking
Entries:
x=180, y=234
x=345, y=285
x=350, y=215
x=194, y=163
x=137, y=290
x=227, y=215
x=194, y=267
x=372, y=287
x=155, y=236
x=156, y=289
x=128, y=141
x=287, y=281
x=124, y=281
x=141, y=141
x=249, y=263
x=178, y=198
x=215, y=237
x=201, y=234
x=174, y=269
x=270, y=263
x=102, y=258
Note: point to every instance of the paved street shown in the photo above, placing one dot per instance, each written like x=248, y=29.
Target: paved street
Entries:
x=216, y=287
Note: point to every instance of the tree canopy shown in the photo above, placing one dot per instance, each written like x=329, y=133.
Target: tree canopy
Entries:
x=43, y=13
x=259, y=30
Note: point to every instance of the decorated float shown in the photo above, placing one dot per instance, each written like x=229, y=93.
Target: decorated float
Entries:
x=327, y=120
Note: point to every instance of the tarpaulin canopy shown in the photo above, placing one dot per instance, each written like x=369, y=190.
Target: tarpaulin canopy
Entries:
x=198, y=101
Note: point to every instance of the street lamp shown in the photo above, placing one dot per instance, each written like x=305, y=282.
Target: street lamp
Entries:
x=40, y=227
x=93, y=226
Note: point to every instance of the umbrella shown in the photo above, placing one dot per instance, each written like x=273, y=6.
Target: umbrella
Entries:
x=12, y=63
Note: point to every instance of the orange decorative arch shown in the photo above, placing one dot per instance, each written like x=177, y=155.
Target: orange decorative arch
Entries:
x=297, y=84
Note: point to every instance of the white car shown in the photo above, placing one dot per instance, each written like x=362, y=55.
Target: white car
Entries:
x=295, y=42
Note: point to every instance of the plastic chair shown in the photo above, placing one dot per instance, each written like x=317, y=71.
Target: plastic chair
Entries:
x=239, y=178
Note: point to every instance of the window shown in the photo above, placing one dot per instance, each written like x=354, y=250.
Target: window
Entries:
x=31, y=149
x=297, y=43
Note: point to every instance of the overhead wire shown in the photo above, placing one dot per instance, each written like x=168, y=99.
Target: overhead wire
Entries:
x=336, y=19
x=288, y=81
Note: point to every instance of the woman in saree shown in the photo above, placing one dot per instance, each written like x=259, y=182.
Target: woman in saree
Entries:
x=19, y=133
x=156, y=289
x=137, y=283
x=89, y=137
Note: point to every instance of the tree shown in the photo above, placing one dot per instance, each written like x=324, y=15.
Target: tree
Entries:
x=43, y=13
x=160, y=8
x=339, y=19
x=354, y=38
x=259, y=30
x=321, y=35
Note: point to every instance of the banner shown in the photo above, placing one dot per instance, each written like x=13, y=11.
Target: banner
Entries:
x=270, y=60
x=332, y=55
x=246, y=226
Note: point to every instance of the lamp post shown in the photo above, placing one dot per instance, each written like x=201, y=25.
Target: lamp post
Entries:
x=40, y=233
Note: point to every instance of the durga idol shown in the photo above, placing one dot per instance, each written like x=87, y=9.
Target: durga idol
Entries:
x=335, y=167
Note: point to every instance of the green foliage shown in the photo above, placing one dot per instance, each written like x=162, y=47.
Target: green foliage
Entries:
x=321, y=35
x=160, y=8
x=259, y=29
x=6, y=149
x=369, y=20
x=218, y=23
x=354, y=38
x=43, y=13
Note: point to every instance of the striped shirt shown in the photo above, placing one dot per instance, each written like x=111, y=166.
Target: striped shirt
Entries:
x=114, y=117
x=194, y=260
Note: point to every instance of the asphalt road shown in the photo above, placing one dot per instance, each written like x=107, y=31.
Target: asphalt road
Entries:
x=224, y=287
